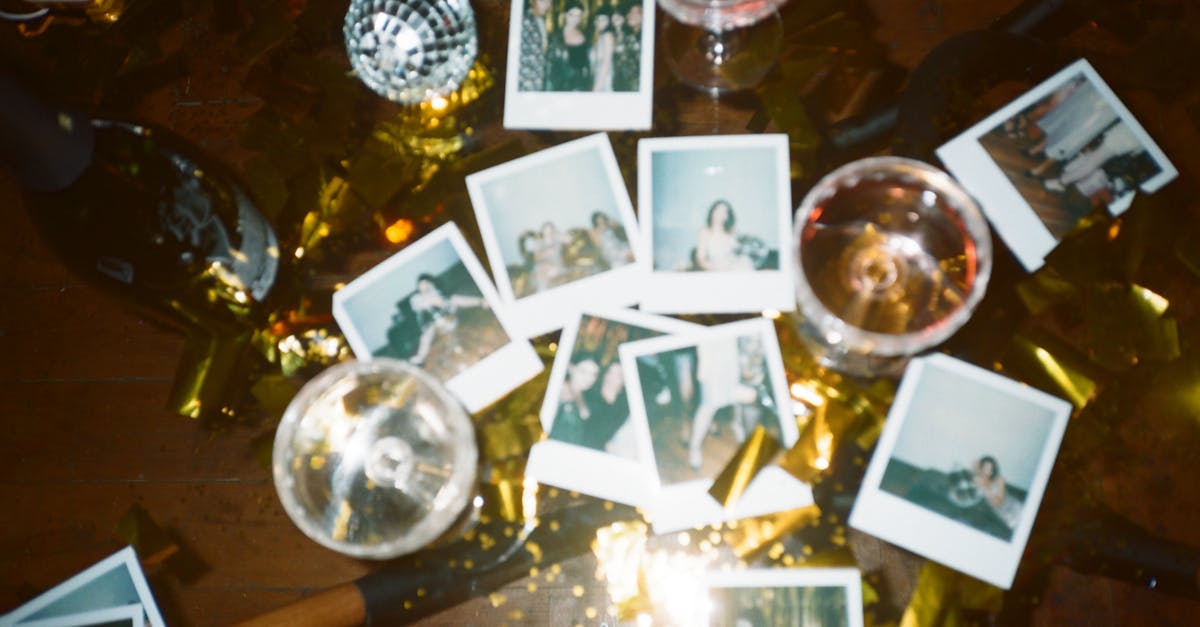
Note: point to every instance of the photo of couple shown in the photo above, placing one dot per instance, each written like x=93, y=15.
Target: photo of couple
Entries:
x=580, y=46
x=592, y=406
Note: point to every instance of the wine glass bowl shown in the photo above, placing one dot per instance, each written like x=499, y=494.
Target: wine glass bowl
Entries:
x=375, y=459
x=892, y=257
x=721, y=45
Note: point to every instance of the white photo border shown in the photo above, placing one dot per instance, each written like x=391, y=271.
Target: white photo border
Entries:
x=125, y=559
x=579, y=468
x=719, y=292
x=688, y=504
x=849, y=579
x=583, y=111
x=548, y=310
x=1014, y=219
x=482, y=383
x=954, y=544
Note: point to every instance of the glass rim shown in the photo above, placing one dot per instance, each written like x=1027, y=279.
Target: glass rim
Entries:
x=826, y=322
x=464, y=471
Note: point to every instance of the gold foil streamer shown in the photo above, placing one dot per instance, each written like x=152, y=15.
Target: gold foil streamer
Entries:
x=942, y=594
x=754, y=534
x=820, y=436
x=1126, y=324
x=754, y=454
x=1047, y=363
x=209, y=375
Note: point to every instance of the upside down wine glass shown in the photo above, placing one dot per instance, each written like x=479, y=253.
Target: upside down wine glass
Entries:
x=892, y=257
x=721, y=45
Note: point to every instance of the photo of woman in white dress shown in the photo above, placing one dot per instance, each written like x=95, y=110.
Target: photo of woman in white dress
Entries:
x=717, y=245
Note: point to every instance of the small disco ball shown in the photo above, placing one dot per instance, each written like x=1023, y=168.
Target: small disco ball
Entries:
x=413, y=50
x=375, y=459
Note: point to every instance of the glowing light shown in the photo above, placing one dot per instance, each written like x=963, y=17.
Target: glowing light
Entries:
x=771, y=314
x=300, y=252
x=399, y=231
x=806, y=394
x=439, y=103
x=241, y=297
x=644, y=620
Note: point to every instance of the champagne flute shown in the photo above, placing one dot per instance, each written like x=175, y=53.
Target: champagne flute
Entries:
x=892, y=257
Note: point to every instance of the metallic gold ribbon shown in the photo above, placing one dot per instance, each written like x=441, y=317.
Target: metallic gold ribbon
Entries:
x=942, y=594
x=752, y=456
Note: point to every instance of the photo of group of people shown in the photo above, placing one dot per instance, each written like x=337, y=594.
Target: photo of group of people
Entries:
x=432, y=306
x=581, y=45
x=552, y=256
x=960, y=467
x=580, y=64
x=1065, y=149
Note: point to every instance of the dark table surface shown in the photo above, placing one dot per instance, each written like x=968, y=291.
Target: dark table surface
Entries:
x=84, y=380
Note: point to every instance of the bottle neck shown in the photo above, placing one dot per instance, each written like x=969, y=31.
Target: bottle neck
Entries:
x=47, y=147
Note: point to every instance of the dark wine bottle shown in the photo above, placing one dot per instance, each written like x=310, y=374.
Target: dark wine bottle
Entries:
x=139, y=212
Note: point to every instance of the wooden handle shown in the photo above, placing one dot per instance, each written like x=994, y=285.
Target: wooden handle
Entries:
x=340, y=606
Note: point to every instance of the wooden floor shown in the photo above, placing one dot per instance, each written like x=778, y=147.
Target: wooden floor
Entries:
x=86, y=437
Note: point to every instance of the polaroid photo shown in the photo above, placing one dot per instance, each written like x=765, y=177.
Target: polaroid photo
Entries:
x=432, y=305
x=1050, y=157
x=592, y=444
x=694, y=398
x=560, y=233
x=112, y=585
x=716, y=216
x=120, y=616
x=830, y=597
x=580, y=65
x=960, y=467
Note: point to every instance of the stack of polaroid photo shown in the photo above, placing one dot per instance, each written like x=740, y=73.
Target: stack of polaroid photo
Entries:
x=646, y=409
x=641, y=408
x=112, y=592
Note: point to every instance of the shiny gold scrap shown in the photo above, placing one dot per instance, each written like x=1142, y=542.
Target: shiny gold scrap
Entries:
x=751, y=457
x=755, y=533
x=942, y=594
x=1051, y=365
x=497, y=599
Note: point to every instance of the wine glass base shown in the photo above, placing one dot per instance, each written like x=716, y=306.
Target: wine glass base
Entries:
x=720, y=61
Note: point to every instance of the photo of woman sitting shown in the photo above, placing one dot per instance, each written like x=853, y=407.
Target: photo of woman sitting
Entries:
x=442, y=330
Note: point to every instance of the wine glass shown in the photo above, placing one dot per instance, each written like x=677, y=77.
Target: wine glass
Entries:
x=375, y=459
x=411, y=51
x=892, y=257
x=721, y=45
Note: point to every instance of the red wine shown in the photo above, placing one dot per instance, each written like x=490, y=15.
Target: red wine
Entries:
x=139, y=212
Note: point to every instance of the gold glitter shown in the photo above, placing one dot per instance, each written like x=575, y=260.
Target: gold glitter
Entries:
x=468, y=564
x=705, y=546
x=788, y=560
x=554, y=525
x=497, y=599
x=608, y=506
x=516, y=615
x=684, y=539
x=591, y=612
x=714, y=537
x=316, y=462
x=420, y=592
x=577, y=590
x=341, y=524
x=556, y=569
x=535, y=551
x=408, y=604
x=533, y=572
x=531, y=586
x=807, y=550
